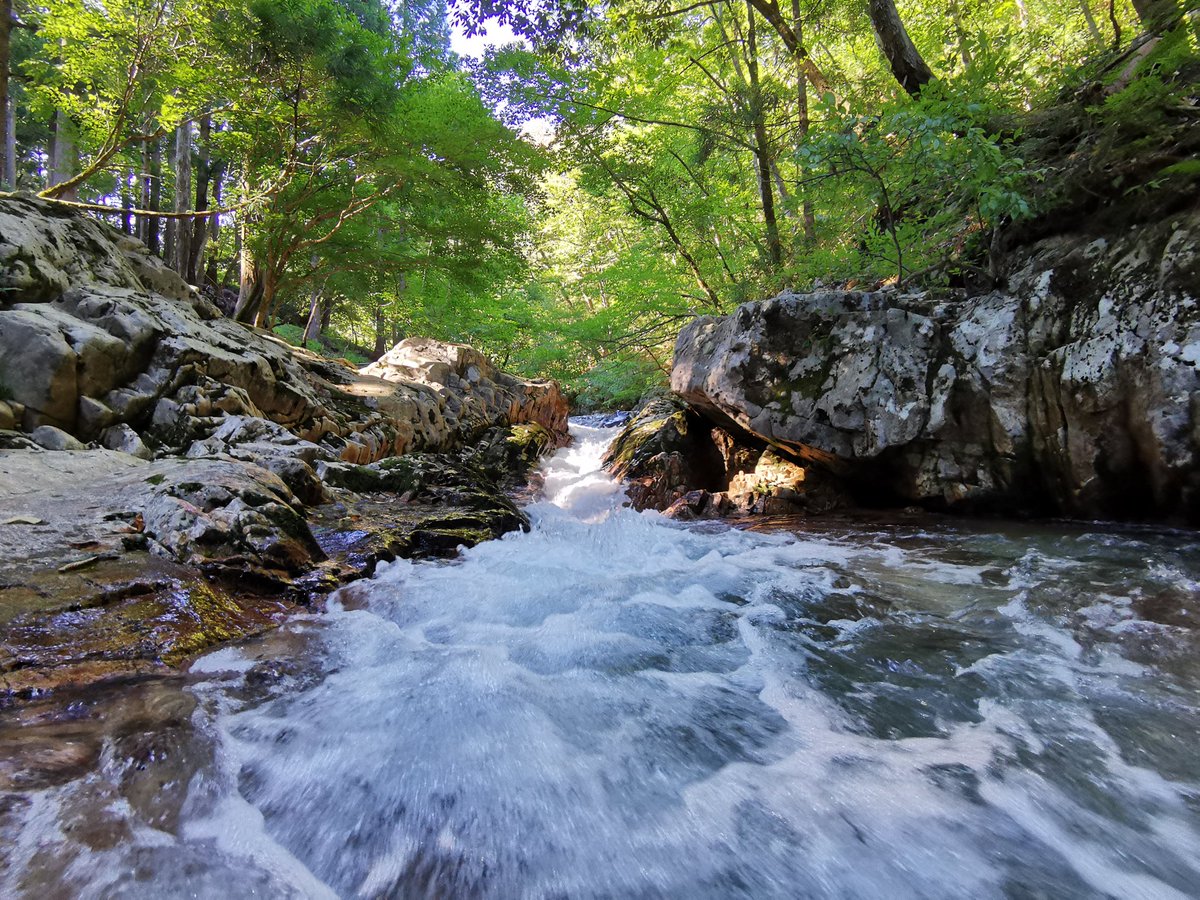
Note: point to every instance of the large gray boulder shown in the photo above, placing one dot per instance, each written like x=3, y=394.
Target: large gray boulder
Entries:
x=1072, y=390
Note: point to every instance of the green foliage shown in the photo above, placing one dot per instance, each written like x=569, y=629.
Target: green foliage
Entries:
x=933, y=172
x=293, y=334
x=616, y=383
x=368, y=172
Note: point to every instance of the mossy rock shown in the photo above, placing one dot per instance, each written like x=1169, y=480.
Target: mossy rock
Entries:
x=508, y=455
x=661, y=426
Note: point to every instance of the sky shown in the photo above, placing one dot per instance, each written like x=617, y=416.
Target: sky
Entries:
x=493, y=35
x=540, y=130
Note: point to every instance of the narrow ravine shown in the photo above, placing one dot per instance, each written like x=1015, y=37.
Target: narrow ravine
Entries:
x=616, y=705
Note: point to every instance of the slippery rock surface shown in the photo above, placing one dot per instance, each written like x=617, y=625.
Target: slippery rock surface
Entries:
x=1072, y=390
x=662, y=452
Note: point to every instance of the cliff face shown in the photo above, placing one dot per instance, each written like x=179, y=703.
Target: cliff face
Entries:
x=1073, y=390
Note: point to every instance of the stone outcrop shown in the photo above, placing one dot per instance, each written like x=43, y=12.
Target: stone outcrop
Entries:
x=140, y=430
x=675, y=460
x=1072, y=390
x=95, y=332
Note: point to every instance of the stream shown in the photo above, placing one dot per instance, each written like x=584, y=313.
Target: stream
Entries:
x=618, y=705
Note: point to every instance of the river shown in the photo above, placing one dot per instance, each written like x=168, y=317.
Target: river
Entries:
x=617, y=705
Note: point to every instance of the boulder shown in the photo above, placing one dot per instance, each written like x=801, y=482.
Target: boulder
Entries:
x=675, y=460
x=665, y=450
x=228, y=515
x=208, y=538
x=96, y=332
x=1072, y=390
x=50, y=438
x=124, y=439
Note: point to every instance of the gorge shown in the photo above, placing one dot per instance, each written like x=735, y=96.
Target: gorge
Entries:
x=866, y=702
x=562, y=449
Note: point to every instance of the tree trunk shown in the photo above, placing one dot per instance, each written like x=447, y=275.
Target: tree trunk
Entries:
x=250, y=280
x=761, y=151
x=791, y=39
x=62, y=154
x=401, y=289
x=269, y=283
x=200, y=230
x=10, y=144
x=214, y=225
x=380, y=329
x=1093, y=28
x=312, y=327
x=235, y=261
x=6, y=152
x=1157, y=15
x=803, y=123
x=906, y=62
x=151, y=193
x=128, y=183
x=179, y=248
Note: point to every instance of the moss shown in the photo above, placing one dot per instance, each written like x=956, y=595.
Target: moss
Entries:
x=216, y=620
x=661, y=426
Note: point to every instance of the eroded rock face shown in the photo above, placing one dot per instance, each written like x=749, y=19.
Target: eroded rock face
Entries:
x=473, y=395
x=675, y=460
x=1074, y=390
x=215, y=435
x=95, y=332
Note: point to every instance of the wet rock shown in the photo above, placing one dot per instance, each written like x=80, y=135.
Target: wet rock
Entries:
x=230, y=515
x=100, y=341
x=605, y=420
x=412, y=506
x=50, y=438
x=675, y=460
x=507, y=456
x=665, y=450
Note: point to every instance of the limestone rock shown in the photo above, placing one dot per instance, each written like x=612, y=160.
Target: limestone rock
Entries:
x=94, y=332
x=664, y=451
x=50, y=438
x=99, y=339
x=124, y=439
x=1074, y=389
x=464, y=394
x=228, y=515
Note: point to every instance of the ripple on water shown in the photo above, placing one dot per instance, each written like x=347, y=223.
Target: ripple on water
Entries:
x=615, y=705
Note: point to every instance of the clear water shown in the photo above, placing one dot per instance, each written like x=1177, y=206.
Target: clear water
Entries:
x=615, y=705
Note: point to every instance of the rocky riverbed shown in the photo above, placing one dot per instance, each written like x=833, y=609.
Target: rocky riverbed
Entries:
x=170, y=479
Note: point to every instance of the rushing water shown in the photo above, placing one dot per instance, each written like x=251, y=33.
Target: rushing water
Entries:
x=615, y=705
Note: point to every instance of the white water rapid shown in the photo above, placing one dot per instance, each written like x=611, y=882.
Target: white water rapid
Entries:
x=615, y=705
